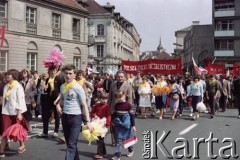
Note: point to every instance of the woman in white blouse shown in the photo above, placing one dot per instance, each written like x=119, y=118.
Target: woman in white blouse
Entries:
x=13, y=107
x=144, y=91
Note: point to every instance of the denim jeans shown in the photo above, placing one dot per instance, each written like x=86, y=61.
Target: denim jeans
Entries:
x=71, y=129
x=119, y=146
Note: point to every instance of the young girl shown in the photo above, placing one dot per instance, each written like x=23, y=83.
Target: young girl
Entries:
x=101, y=110
x=124, y=124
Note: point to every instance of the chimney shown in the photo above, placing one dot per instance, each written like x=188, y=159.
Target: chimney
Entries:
x=194, y=23
x=110, y=8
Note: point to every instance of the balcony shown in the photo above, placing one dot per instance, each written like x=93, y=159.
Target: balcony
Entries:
x=31, y=29
x=99, y=39
x=76, y=36
x=224, y=13
x=224, y=53
x=56, y=33
x=226, y=33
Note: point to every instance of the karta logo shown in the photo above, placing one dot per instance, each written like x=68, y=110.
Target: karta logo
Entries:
x=154, y=144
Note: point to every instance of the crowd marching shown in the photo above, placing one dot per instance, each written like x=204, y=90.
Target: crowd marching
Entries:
x=74, y=98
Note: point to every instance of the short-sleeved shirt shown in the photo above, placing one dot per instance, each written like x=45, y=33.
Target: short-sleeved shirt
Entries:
x=73, y=99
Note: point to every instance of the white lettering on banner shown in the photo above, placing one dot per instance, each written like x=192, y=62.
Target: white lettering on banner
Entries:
x=162, y=66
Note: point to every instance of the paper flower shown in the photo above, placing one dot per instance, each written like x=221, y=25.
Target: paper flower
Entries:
x=55, y=58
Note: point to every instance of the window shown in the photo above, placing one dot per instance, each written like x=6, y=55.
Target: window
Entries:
x=32, y=61
x=100, y=49
x=100, y=30
x=76, y=25
x=3, y=9
x=31, y=14
x=224, y=25
x=3, y=61
x=224, y=45
x=77, y=62
x=223, y=6
x=56, y=21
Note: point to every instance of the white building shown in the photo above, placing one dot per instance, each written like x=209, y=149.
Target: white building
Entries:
x=112, y=38
x=35, y=27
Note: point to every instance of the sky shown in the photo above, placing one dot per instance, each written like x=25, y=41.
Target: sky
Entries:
x=161, y=18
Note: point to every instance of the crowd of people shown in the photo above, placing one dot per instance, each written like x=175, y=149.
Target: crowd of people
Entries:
x=69, y=95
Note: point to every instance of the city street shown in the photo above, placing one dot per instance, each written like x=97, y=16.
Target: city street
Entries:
x=222, y=126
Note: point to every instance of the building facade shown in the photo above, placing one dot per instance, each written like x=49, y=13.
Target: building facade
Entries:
x=198, y=43
x=226, y=22
x=34, y=28
x=112, y=38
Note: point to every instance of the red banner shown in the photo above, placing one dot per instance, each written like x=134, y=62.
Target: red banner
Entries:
x=2, y=35
x=153, y=66
x=216, y=69
x=236, y=69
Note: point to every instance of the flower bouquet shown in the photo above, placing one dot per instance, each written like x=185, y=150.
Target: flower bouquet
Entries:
x=99, y=130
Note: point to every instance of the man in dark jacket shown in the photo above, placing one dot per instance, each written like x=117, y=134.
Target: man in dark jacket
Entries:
x=107, y=83
x=236, y=93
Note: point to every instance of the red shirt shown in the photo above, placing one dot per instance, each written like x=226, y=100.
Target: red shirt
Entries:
x=102, y=110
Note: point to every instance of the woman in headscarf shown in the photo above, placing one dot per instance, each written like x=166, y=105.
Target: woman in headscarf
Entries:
x=13, y=107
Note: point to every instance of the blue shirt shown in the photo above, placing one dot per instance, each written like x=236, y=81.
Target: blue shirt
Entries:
x=196, y=90
x=72, y=100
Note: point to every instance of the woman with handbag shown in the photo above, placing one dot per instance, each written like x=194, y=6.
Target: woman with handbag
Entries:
x=196, y=92
x=174, y=97
x=30, y=91
x=13, y=107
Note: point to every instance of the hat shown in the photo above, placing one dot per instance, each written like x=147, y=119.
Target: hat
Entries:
x=55, y=59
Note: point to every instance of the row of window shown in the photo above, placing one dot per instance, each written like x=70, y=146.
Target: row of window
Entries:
x=31, y=61
x=223, y=25
x=222, y=6
x=224, y=44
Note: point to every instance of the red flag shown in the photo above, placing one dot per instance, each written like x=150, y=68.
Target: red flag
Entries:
x=2, y=35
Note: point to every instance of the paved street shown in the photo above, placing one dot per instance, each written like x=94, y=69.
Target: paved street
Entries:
x=223, y=125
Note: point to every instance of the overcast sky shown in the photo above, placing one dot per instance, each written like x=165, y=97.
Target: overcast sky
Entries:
x=155, y=18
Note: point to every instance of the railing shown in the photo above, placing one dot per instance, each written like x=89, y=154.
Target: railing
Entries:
x=31, y=29
x=56, y=33
x=76, y=36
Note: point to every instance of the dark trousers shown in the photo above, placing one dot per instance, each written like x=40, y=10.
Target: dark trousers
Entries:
x=71, y=129
x=101, y=149
x=212, y=103
x=237, y=103
x=223, y=102
x=136, y=101
x=46, y=112
x=57, y=119
x=195, y=101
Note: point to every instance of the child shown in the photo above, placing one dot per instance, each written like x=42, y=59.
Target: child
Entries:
x=124, y=124
x=101, y=110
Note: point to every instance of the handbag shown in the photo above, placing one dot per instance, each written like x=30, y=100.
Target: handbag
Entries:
x=130, y=141
x=175, y=97
x=34, y=104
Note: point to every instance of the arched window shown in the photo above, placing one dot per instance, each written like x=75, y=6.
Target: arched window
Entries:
x=32, y=56
x=4, y=56
x=100, y=30
x=77, y=58
x=58, y=47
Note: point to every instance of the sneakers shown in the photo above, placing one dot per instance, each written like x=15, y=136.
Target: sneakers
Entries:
x=43, y=135
x=2, y=155
x=180, y=115
x=97, y=156
x=39, y=116
x=239, y=117
x=158, y=111
x=130, y=154
x=190, y=115
x=55, y=134
x=115, y=158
